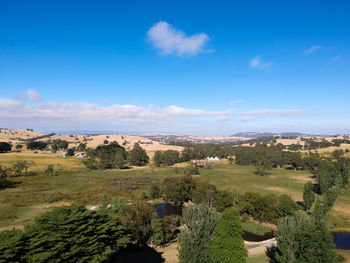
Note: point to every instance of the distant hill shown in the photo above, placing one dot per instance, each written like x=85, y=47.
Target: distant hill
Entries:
x=266, y=134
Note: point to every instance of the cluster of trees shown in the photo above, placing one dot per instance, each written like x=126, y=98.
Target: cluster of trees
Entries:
x=36, y=145
x=312, y=144
x=331, y=177
x=267, y=157
x=109, y=156
x=167, y=158
x=5, y=147
x=304, y=237
x=59, y=145
x=249, y=204
x=54, y=145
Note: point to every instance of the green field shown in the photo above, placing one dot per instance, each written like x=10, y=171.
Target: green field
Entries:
x=75, y=184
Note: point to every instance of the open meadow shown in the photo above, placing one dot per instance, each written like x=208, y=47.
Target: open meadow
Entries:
x=33, y=195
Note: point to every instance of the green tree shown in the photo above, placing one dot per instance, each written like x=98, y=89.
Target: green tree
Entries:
x=63, y=145
x=12, y=246
x=20, y=168
x=19, y=146
x=5, y=147
x=36, y=145
x=199, y=225
x=204, y=192
x=158, y=158
x=70, y=152
x=308, y=195
x=337, y=153
x=286, y=206
x=158, y=237
x=138, y=156
x=301, y=238
x=66, y=234
x=192, y=169
x=228, y=244
x=106, y=157
x=118, y=205
x=178, y=190
x=155, y=191
x=137, y=219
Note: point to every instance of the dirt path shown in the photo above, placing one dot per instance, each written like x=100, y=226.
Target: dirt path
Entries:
x=263, y=245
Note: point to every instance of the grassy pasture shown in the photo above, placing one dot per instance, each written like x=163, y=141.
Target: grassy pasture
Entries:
x=76, y=184
x=41, y=161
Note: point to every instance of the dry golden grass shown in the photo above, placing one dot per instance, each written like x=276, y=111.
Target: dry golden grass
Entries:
x=41, y=161
x=92, y=141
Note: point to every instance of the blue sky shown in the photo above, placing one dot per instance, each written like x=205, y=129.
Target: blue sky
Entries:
x=193, y=67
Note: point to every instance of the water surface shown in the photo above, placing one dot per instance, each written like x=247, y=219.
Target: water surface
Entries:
x=342, y=240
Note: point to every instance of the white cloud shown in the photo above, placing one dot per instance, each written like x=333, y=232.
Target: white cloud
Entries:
x=258, y=63
x=30, y=95
x=313, y=49
x=34, y=96
x=236, y=101
x=267, y=113
x=169, y=40
x=336, y=58
x=8, y=103
x=89, y=112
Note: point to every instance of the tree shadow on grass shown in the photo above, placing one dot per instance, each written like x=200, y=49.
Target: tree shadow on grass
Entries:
x=271, y=253
x=136, y=254
x=7, y=184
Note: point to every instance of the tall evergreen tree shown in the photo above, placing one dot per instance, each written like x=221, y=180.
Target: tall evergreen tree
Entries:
x=199, y=225
x=308, y=195
x=228, y=244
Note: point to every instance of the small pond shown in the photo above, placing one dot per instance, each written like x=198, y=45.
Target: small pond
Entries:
x=342, y=240
x=248, y=236
x=167, y=210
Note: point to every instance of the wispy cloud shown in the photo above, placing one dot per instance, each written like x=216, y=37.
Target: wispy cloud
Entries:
x=169, y=40
x=72, y=112
x=267, y=113
x=336, y=58
x=313, y=49
x=257, y=62
x=8, y=103
x=236, y=101
x=30, y=95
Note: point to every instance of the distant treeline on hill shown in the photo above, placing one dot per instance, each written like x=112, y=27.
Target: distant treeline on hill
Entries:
x=40, y=137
